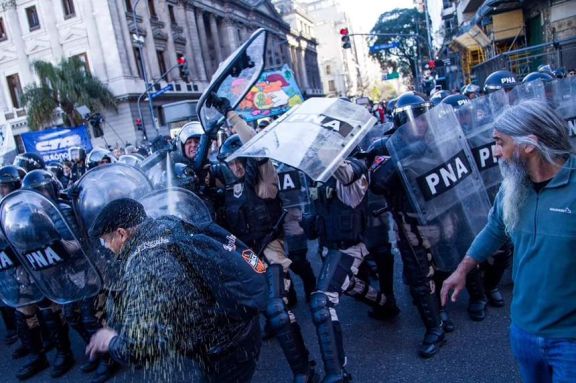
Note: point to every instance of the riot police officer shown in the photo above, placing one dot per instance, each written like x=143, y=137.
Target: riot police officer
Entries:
x=99, y=156
x=535, y=76
x=501, y=79
x=416, y=257
x=77, y=155
x=29, y=161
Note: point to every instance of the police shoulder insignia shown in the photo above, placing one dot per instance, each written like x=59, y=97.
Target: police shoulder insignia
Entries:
x=252, y=259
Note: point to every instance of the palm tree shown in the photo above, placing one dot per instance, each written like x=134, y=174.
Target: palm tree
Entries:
x=64, y=86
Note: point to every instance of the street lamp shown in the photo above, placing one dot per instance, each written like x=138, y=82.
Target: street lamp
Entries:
x=139, y=41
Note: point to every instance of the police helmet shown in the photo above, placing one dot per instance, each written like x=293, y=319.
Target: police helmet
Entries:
x=29, y=161
x=535, y=76
x=11, y=178
x=43, y=182
x=501, y=79
x=390, y=106
x=55, y=168
x=229, y=146
x=408, y=107
x=559, y=73
x=77, y=154
x=99, y=156
x=546, y=68
x=471, y=89
x=456, y=100
x=190, y=130
x=134, y=159
x=438, y=97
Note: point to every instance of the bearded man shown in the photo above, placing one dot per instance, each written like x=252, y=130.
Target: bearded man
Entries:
x=536, y=208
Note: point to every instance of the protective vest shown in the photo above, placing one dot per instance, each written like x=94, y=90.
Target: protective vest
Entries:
x=339, y=225
x=248, y=216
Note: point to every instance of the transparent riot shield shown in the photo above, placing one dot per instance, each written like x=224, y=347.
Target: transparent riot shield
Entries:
x=17, y=287
x=47, y=248
x=378, y=131
x=477, y=119
x=563, y=99
x=95, y=190
x=533, y=90
x=159, y=168
x=293, y=188
x=234, y=78
x=441, y=179
x=313, y=137
x=179, y=202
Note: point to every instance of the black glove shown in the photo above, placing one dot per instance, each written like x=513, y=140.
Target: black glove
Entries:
x=221, y=104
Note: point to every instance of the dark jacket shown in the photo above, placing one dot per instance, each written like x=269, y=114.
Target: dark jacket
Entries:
x=167, y=307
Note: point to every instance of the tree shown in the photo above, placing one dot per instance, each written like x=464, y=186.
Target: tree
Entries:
x=398, y=22
x=64, y=86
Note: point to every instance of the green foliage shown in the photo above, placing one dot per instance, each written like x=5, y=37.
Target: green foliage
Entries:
x=66, y=85
x=404, y=58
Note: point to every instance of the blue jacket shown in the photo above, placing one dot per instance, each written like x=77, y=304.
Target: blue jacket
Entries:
x=544, y=267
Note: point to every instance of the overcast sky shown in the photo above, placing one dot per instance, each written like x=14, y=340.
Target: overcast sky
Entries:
x=365, y=13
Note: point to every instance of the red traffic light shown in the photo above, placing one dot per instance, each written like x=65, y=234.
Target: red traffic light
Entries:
x=181, y=60
x=138, y=122
x=344, y=31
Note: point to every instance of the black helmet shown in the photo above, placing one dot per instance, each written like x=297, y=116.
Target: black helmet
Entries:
x=55, y=168
x=97, y=156
x=456, y=100
x=438, y=97
x=501, y=79
x=190, y=130
x=229, y=146
x=535, y=76
x=10, y=178
x=408, y=107
x=471, y=89
x=77, y=154
x=390, y=106
x=29, y=161
x=546, y=68
x=559, y=73
x=43, y=182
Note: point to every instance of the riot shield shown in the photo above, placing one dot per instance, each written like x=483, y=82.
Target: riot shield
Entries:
x=442, y=182
x=313, y=137
x=95, y=190
x=293, y=188
x=179, y=202
x=234, y=78
x=17, y=287
x=378, y=131
x=47, y=247
x=563, y=94
x=476, y=119
x=533, y=90
x=159, y=168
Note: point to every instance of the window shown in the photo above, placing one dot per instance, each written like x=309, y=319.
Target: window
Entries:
x=15, y=89
x=331, y=86
x=84, y=58
x=68, y=6
x=33, y=20
x=328, y=70
x=161, y=62
x=138, y=57
x=128, y=5
x=151, y=8
x=3, y=35
x=171, y=13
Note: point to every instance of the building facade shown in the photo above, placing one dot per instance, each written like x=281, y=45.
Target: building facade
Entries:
x=125, y=41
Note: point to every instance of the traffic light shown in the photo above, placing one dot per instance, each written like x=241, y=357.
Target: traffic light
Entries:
x=183, y=67
x=345, y=38
x=138, y=124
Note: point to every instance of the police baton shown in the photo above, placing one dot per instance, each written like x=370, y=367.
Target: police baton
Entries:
x=271, y=235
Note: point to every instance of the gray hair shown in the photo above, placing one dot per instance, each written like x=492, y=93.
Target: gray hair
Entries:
x=532, y=117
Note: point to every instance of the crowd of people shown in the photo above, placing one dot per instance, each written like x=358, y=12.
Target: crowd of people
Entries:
x=194, y=290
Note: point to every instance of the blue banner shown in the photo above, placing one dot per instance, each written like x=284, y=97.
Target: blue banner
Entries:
x=53, y=144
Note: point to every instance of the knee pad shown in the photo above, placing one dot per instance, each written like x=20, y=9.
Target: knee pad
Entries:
x=276, y=313
x=319, y=304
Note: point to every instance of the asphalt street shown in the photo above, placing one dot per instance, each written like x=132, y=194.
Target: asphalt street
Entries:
x=377, y=351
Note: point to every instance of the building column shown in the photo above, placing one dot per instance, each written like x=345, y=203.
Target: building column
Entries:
x=216, y=39
x=203, y=41
x=194, y=47
x=53, y=35
x=24, y=71
x=230, y=42
x=97, y=54
x=302, y=60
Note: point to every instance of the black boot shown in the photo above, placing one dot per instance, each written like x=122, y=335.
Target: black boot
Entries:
x=292, y=298
x=9, y=316
x=105, y=371
x=32, y=339
x=64, y=360
x=495, y=298
x=386, y=312
x=429, y=310
x=447, y=324
x=477, y=302
x=493, y=275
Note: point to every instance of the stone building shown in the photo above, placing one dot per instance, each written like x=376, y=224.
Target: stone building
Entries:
x=103, y=34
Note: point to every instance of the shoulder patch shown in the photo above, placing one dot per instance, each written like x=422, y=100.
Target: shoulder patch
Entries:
x=252, y=259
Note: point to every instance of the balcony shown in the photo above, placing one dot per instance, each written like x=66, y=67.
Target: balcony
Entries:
x=449, y=11
x=467, y=6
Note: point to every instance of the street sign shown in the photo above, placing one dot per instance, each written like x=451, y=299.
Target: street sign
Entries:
x=167, y=88
x=391, y=76
x=381, y=47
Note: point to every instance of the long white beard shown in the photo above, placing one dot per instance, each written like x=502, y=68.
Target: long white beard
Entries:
x=515, y=187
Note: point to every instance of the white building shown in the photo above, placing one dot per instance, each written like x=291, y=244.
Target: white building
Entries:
x=101, y=33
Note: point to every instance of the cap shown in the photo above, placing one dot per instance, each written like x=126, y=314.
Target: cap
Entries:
x=121, y=213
